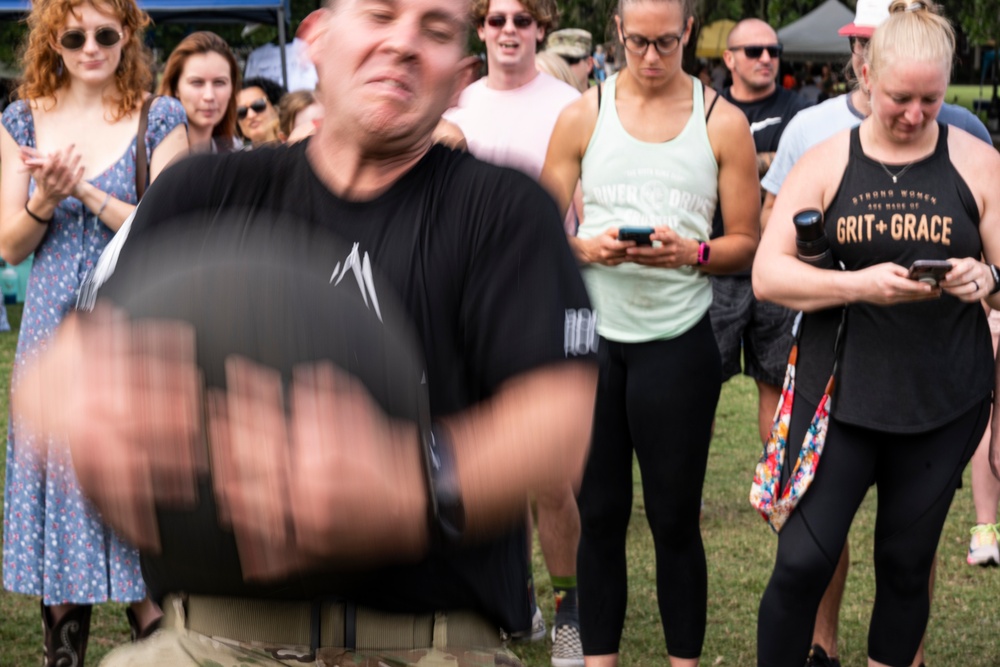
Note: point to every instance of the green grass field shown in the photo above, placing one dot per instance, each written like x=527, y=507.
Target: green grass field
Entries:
x=965, y=95
x=965, y=620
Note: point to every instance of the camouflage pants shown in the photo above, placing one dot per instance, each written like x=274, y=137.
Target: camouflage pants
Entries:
x=176, y=646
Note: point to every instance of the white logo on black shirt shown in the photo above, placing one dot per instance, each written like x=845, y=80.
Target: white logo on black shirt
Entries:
x=761, y=124
x=362, y=273
x=580, y=332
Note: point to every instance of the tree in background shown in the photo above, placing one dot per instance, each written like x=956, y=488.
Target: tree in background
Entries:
x=596, y=15
x=980, y=20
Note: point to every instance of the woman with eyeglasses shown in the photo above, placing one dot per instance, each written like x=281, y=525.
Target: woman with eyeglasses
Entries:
x=657, y=152
x=68, y=148
x=257, y=111
x=202, y=73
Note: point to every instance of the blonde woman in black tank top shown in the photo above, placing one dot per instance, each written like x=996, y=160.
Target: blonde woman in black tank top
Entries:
x=915, y=379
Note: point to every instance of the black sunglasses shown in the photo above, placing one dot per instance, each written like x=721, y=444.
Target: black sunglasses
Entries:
x=858, y=44
x=74, y=40
x=258, y=106
x=756, y=51
x=521, y=21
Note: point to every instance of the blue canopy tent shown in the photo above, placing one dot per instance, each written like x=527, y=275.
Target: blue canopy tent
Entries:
x=271, y=12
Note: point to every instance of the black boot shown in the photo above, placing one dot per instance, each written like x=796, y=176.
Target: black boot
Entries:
x=138, y=633
x=66, y=641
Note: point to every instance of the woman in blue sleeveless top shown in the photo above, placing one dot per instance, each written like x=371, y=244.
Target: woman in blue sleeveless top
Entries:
x=68, y=147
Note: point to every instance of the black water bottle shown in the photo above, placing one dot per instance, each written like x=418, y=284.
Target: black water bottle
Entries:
x=810, y=239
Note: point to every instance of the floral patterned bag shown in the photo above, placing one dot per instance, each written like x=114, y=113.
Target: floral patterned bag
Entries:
x=767, y=496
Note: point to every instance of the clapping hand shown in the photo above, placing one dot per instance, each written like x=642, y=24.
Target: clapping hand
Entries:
x=57, y=175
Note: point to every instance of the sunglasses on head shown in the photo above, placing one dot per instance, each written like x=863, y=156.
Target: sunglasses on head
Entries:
x=521, y=21
x=756, y=51
x=74, y=39
x=258, y=106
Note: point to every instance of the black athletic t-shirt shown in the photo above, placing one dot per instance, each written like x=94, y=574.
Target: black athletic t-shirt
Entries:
x=768, y=118
x=904, y=368
x=477, y=257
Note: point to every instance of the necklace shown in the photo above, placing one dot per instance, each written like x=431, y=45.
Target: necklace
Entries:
x=895, y=177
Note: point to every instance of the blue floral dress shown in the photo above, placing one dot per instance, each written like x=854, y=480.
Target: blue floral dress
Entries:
x=55, y=544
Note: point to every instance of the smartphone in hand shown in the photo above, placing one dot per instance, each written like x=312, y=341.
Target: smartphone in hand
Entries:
x=930, y=271
x=638, y=234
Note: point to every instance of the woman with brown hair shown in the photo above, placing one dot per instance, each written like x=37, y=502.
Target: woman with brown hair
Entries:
x=655, y=154
x=202, y=73
x=257, y=111
x=68, y=146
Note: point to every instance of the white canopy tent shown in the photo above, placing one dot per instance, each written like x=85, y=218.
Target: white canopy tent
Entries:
x=814, y=36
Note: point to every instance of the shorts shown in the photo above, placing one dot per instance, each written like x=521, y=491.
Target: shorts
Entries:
x=183, y=648
x=760, y=329
x=176, y=644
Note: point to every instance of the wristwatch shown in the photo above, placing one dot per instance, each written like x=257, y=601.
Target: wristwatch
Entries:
x=996, y=278
x=446, y=511
x=703, y=253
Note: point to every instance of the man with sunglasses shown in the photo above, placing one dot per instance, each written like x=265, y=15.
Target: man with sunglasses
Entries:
x=809, y=128
x=757, y=330
x=507, y=118
x=508, y=115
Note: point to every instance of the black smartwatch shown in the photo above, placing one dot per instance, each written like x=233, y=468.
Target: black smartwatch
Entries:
x=996, y=278
x=446, y=513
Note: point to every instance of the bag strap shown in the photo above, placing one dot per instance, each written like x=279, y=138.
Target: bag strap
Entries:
x=837, y=345
x=141, y=159
x=711, y=107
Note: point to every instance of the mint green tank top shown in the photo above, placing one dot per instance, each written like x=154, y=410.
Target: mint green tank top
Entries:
x=628, y=183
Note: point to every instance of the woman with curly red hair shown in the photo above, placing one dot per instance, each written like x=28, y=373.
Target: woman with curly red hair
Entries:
x=68, y=146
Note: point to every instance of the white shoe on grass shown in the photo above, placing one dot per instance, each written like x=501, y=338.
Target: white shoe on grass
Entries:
x=537, y=631
x=983, y=549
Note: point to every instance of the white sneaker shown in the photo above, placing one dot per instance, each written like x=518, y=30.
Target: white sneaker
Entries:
x=537, y=631
x=567, y=650
x=983, y=548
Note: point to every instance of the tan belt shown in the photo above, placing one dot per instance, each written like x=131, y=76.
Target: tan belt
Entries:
x=326, y=624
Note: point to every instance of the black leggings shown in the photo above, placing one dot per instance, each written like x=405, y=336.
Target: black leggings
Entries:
x=658, y=399
x=916, y=475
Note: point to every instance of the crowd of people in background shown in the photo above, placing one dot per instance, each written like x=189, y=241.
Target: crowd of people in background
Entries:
x=676, y=190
